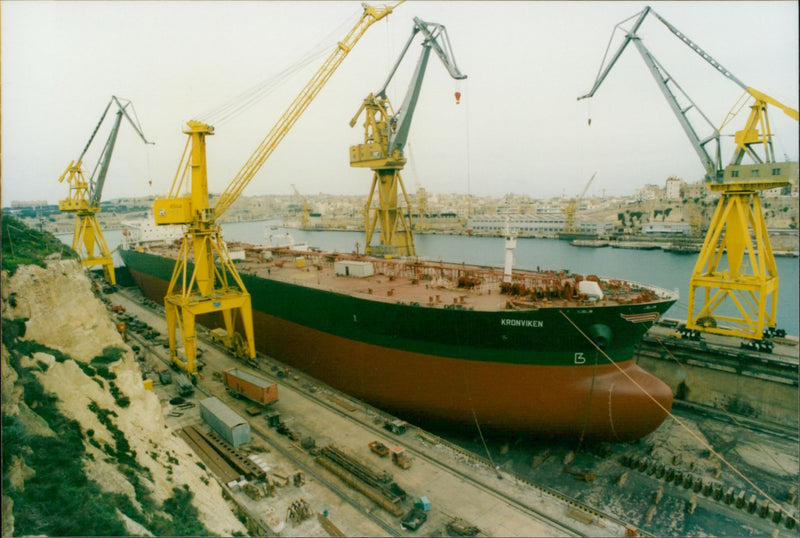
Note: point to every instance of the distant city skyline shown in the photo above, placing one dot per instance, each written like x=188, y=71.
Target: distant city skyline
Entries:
x=517, y=129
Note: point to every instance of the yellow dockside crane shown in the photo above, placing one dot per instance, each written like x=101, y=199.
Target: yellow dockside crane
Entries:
x=205, y=287
x=385, y=135
x=305, y=219
x=84, y=195
x=737, y=239
x=570, y=228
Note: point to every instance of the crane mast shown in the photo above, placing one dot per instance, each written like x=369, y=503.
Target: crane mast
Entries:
x=572, y=208
x=203, y=287
x=305, y=222
x=737, y=239
x=84, y=195
x=385, y=136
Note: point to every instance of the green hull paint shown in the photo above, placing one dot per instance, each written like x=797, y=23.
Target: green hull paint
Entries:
x=543, y=337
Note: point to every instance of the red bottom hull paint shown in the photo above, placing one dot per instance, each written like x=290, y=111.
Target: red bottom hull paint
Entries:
x=607, y=402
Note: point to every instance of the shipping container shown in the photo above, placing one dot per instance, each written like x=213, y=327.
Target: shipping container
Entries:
x=353, y=268
x=225, y=421
x=252, y=387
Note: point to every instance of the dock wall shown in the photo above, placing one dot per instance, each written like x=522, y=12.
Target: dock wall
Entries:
x=746, y=384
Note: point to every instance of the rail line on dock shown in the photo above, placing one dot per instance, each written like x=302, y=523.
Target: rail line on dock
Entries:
x=439, y=462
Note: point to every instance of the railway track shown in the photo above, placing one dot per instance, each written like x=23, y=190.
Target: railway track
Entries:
x=322, y=398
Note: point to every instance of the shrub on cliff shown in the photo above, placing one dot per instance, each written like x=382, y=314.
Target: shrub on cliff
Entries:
x=25, y=246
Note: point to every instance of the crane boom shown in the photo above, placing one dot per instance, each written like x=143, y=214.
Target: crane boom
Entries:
x=712, y=165
x=97, y=189
x=214, y=284
x=789, y=111
x=746, y=139
x=738, y=231
x=385, y=136
x=572, y=207
x=296, y=109
x=84, y=196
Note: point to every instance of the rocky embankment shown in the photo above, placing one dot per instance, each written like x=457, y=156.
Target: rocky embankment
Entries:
x=86, y=450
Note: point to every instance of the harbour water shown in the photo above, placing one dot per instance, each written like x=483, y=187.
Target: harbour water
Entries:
x=664, y=269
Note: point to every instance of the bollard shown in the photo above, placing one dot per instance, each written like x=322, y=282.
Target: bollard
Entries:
x=763, y=510
x=729, y=495
x=670, y=476
x=692, y=504
x=659, y=494
x=622, y=479
x=660, y=470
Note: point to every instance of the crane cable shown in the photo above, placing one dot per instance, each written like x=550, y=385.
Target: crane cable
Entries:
x=475, y=417
x=679, y=421
x=248, y=98
x=725, y=411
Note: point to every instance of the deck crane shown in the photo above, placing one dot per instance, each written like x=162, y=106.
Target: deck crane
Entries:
x=738, y=228
x=84, y=196
x=572, y=208
x=385, y=135
x=205, y=287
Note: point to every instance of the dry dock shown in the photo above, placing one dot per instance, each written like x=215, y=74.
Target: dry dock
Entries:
x=715, y=372
x=459, y=486
x=665, y=484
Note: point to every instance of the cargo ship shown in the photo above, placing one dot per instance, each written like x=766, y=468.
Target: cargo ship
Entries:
x=447, y=344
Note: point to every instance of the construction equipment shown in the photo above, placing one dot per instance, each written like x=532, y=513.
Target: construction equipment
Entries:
x=379, y=448
x=396, y=426
x=738, y=228
x=401, y=458
x=84, y=196
x=572, y=208
x=304, y=208
x=385, y=135
x=209, y=287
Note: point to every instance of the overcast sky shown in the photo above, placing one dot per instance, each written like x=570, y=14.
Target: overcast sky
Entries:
x=518, y=129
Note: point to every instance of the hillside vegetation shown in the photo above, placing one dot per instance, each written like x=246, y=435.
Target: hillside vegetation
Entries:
x=86, y=451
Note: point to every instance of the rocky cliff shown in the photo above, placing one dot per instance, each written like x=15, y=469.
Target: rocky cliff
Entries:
x=86, y=450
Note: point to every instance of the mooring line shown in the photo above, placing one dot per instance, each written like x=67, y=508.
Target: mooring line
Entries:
x=676, y=419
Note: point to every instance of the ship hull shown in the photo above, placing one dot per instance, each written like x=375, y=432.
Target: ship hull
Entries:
x=527, y=372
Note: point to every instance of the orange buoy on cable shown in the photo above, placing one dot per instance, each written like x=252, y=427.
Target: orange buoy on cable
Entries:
x=458, y=97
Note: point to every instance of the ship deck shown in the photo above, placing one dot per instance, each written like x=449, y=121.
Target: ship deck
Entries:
x=435, y=284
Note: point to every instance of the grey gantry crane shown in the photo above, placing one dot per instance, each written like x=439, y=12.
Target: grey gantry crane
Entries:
x=84, y=195
x=385, y=136
x=738, y=231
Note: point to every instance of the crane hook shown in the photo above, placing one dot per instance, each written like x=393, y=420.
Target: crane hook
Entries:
x=458, y=97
